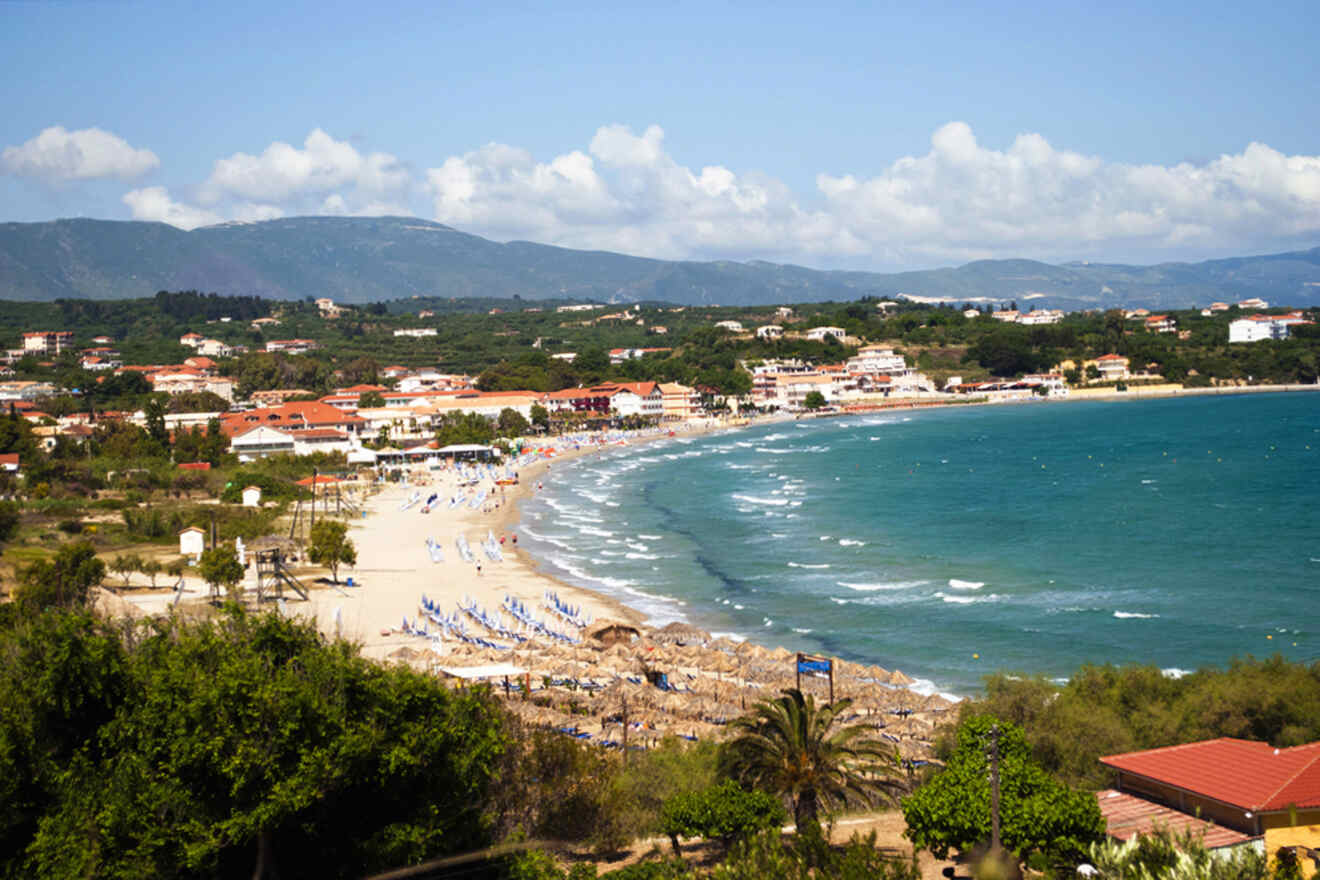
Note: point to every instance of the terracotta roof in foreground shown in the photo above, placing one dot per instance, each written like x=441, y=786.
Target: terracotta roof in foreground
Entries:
x=1126, y=816
x=1241, y=773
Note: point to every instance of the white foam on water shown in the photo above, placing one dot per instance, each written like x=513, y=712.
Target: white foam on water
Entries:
x=768, y=622
x=752, y=499
x=738, y=607
x=966, y=600
x=649, y=537
x=837, y=601
x=802, y=630
x=1175, y=672
x=1133, y=615
x=956, y=584
x=926, y=687
x=849, y=542
x=731, y=636
x=825, y=537
x=591, y=530
x=808, y=565
x=868, y=588
x=642, y=556
x=773, y=451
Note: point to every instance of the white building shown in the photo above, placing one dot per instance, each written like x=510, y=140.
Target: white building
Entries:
x=1041, y=316
x=191, y=339
x=292, y=346
x=1261, y=327
x=252, y=496
x=47, y=341
x=416, y=332
x=189, y=382
x=818, y=334
x=769, y=331
x=213, y=348
x=731, y=326
x=192, y=541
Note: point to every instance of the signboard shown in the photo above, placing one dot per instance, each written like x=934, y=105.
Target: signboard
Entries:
x=815, y=667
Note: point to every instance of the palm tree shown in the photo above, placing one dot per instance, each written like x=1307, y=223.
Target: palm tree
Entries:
x=791, y=746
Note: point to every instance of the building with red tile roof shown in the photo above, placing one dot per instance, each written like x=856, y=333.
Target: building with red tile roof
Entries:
x=292, y=416
x=1252, y=788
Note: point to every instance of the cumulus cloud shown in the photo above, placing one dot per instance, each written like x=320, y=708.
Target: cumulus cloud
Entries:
x=961, y=200
x=154, y=203
x=624, y=193
x=58, y=155
x=324, y=169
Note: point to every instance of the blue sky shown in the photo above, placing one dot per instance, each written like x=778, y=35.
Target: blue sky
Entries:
x=869, y=136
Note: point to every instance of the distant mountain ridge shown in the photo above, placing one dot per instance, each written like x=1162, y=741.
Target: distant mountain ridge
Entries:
x=370, y=259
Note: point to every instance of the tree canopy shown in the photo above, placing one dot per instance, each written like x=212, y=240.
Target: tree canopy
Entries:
x=1038, y=814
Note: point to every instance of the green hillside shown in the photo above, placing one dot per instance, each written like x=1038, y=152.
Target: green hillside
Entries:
x=371, y=259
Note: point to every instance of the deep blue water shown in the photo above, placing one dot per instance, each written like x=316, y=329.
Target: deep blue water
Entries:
x=1039, y=537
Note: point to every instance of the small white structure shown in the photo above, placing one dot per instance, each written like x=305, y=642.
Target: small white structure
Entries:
x=818, y=334
x=192, y=541
x=252, y=496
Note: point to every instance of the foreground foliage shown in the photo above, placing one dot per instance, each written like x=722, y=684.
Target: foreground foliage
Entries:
x=1167, y=856
x=203, y=749
x=1037, y=813
x=792, y=746
x=1105, y=710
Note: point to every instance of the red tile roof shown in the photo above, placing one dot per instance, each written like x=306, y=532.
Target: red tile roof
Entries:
x=308, y=414
x=1127, y=816
x=1241, y=773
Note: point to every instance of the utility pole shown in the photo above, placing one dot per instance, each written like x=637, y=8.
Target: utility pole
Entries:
x=994, y=788
x=625, y=730
x=313, y=522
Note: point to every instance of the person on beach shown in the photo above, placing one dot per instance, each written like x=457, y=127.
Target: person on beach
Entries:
x=478, y=569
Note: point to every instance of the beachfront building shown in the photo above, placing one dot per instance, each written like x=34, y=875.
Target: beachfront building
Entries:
x=1236, y=792
x=791, y=390
x=679, y=402
x=1050, y=384
x=644, y=399
x=1112, y=367
x=1256, y=328
x=47, y=341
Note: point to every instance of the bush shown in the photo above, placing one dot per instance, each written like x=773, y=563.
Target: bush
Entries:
x=725, y=812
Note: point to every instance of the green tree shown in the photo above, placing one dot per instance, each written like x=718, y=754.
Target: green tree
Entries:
x=219, y=567
x=246, y=745
x=65, y=579
x=330, y=546
x=371, y=400
x=152, y=569
x=155, y=413
x=511, y=423
x=540, y=416
x=1037, y=813
x=814, y=400
x=725, y=812
x=125, y=564
x=10, y=514
x=791, y=746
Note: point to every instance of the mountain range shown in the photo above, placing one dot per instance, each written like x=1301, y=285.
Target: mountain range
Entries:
x=372, y=259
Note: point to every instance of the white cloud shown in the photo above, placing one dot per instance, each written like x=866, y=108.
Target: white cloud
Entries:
x=58, y=155
x=625, y=193
x=959, y=201
x=154, y=203
x=323, y=168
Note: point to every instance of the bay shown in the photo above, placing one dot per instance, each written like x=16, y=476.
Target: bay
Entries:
x=953, y=543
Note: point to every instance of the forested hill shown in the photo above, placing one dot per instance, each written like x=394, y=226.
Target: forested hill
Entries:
x=369, y=259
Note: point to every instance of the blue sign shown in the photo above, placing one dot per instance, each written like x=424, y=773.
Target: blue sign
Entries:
x=814, y=666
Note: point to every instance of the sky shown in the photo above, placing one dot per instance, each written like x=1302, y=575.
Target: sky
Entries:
x=869, y=136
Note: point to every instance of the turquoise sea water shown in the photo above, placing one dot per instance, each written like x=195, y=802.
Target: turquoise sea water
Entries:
x=1039, y=537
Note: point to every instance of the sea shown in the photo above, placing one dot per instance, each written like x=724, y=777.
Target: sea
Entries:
x=954, y=543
